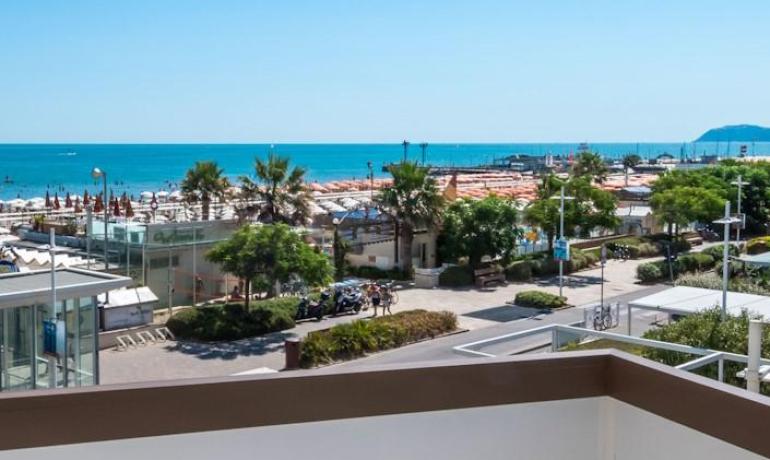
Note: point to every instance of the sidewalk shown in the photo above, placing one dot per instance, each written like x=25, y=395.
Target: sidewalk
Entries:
x=476, y=309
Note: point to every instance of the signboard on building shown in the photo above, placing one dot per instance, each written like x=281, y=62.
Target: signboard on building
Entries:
x=561, y=250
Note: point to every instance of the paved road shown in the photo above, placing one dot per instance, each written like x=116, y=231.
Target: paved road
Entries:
x=441, y=349
x=485, y=313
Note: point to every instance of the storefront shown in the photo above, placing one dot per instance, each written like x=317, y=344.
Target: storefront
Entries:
x=47, y=340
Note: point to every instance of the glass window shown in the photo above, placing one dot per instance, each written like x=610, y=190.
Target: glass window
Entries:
x=17, y=335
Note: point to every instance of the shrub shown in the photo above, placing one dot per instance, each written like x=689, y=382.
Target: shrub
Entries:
x=352, y=340
x=694, y=262
x=758, y=245
x=716, y=251
x=456, y=276
x=645, y=250
x=545, y=267
x=649, y=272
x=233, y=321
x=540, y=300
x=707, y=330
x=521, y=270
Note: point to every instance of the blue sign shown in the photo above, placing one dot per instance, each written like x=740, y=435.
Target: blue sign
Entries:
x=53, y=337
x=49, y=337
x=561, y=250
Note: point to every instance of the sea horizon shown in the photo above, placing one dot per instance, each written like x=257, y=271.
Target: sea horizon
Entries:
x=32, y=169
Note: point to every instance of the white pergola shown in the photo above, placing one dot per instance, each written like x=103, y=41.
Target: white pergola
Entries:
x=683, y=300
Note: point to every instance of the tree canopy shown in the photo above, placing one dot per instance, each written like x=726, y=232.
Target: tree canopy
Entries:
x=477, y=228
x=282, y=189
x=204, y=181
x=273, y=253
x=682, y=205
x=413, y=201
x=755, y=199
x=589, y=208
x=591, y=165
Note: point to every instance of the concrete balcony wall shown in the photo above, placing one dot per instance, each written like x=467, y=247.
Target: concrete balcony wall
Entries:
x=585, y=405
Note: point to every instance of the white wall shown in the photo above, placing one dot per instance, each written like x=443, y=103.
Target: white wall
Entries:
x=522, y=431
x=578, y=429
x=641, y=435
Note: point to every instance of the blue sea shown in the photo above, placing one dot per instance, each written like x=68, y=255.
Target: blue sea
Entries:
x=33, y=169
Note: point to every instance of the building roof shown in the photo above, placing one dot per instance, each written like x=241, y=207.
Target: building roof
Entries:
x=684, y=300
x=129, y=297
x=26, y=288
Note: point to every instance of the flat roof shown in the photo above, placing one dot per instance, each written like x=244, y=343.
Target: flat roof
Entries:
x=26, y=288
x=684, y=300
x=758, y=260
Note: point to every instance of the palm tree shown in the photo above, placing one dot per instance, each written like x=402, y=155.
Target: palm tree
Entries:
x=281, y=188
x=589, y=164
x=630, y=161
x=204, y=181
x=413, y=201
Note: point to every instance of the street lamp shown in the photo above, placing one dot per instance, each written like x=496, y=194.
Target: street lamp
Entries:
x=740, y=183
x=406, y=149
x=424, y=147
x=97, y=173
x=371, y=180
x=561, y=199
x=726, y=221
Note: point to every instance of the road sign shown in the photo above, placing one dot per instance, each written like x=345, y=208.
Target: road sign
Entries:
x=744, y=149
x=561, y=250
x=531, y=236
x=604, y=255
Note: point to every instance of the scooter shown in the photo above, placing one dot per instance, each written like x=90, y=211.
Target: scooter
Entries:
x=307, y=309
x=346, y=301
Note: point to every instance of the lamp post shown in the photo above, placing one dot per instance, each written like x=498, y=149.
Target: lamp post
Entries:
x=97, y=173
x=406, y=149
x=740, y=183
x=371, y=180
x=726, y=221
x=424, y=148
x=561, y=199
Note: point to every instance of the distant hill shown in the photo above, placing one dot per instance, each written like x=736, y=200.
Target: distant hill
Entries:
x=736, y=133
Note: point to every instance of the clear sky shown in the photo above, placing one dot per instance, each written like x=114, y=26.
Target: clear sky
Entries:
x=380, y=71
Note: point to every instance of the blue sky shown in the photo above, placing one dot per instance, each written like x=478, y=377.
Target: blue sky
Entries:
x=366, y=71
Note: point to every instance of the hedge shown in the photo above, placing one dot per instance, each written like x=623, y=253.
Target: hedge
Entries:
x=540, y=300
x=758, y=245
x=687, y=263
x=352, y=340
x=456, y=276
x=520, y=270
x=232, y=321
x=717, y=251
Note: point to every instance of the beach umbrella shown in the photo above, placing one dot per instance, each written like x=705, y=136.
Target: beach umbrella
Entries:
x=68, y=201
x=99, y=203
x=116, y=208
x=47, y=199
x=129, y=210
x=86, y=198
x=56, y=204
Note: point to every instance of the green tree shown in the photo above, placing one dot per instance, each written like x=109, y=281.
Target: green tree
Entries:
x=203, y=182
x=477, y=228
x=683, y=205
x=630, y=161
x=413, y=201
x=589, y=208
x=271, y=253
x=282, y=190
x=708, y=330
x=591, y=165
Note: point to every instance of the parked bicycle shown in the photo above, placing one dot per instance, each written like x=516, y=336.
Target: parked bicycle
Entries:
x=605, y=318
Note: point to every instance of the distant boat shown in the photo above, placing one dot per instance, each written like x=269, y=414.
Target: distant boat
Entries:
x=68, y=154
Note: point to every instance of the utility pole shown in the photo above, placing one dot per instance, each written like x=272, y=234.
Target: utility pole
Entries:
x=740, y=183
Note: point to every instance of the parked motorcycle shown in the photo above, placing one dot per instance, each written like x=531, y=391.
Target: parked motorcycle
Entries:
x=307, y=309
x=347, y=300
